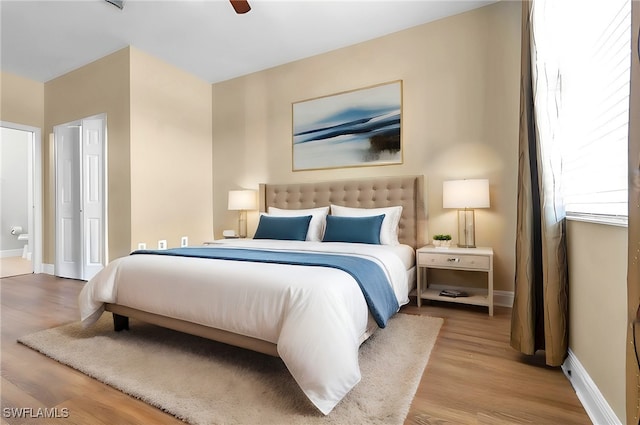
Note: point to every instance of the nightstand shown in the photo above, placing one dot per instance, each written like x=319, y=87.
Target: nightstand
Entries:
x=469, y=259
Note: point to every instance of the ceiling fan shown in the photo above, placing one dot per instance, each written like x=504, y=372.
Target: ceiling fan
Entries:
x=240, y=6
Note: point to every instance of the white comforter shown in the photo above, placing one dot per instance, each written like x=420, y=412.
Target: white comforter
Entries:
x=316, y=317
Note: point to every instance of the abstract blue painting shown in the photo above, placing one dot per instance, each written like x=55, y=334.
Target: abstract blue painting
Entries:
x=350, y=129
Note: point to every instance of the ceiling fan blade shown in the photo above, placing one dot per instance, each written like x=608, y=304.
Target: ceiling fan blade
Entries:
x=240, y=6
x=117, y=3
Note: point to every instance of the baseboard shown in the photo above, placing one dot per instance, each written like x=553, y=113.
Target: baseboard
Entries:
x=503, y=298
x=47, y=269
x=11, y=253
x=588, y=393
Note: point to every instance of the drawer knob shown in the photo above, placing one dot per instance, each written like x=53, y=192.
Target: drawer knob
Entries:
x=453, y=260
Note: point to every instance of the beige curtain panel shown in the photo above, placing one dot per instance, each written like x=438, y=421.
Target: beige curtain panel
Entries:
x=539, y=317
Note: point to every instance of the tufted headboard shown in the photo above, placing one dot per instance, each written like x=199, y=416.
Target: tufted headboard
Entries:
x=362, y=193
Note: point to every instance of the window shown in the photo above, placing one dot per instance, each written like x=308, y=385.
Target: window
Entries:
x=582, y=60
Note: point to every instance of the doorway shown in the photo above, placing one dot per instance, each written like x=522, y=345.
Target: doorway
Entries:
x=21, y=227
x=80, y=205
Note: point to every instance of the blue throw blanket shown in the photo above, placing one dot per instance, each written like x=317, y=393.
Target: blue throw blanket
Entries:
x=372, y=280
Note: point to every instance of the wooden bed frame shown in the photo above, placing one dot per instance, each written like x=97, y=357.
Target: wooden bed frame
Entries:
x=363, y=193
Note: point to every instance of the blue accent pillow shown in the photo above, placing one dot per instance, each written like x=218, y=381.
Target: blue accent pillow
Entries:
x=353, y=229
x=283, y=228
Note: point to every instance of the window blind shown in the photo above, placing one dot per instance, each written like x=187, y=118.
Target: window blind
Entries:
x=589, y=43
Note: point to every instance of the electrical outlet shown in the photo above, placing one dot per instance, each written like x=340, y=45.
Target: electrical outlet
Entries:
x=184, y=241
x=162, y=244
x=142, y=245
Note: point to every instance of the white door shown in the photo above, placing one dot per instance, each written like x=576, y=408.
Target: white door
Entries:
x=68, y=257
x=80, y=198
x=92, y=196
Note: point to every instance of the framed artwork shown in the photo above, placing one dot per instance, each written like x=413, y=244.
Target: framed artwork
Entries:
x=351, y=129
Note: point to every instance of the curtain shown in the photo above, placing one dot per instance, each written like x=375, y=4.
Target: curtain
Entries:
x=539, y=315
x=633, y=270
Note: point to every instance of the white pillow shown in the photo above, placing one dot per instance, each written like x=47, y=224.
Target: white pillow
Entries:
x=317, y=224
x=389, y=228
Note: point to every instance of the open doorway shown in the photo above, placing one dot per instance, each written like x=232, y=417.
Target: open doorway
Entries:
x=21, y=192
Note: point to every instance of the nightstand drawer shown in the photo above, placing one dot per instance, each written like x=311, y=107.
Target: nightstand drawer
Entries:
x=476, y=262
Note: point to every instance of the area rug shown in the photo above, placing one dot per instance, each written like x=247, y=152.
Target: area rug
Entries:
x=204, y=382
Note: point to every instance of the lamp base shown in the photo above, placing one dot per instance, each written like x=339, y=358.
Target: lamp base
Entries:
x=466, y=228
x=242, y=224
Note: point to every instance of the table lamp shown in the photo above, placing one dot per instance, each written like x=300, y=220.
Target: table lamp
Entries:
x=465, y=195
x=242, y=200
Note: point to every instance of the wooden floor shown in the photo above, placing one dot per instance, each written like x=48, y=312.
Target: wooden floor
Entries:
x=473, y=377
x=14, y=266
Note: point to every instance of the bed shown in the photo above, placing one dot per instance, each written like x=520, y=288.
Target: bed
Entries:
x=313, y=317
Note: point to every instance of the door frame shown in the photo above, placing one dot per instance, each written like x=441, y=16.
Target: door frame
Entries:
x=35, y=191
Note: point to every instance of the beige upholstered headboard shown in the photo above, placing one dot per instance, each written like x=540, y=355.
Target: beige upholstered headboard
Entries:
x=362, y=193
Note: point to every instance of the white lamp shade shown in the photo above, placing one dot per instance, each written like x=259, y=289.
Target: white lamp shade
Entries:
x=472, y=193
x=242, y=200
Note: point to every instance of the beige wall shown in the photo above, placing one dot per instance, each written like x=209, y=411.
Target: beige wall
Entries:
x=21, y=100
x=159, y=148
x=460, y=118
x=171, y=176
x=597, y=256
x=99, y=87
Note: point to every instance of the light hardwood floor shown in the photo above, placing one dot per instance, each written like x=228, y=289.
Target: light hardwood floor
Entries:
x=473, y=377
x=14, y=266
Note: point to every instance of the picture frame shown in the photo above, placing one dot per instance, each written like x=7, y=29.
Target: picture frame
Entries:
x=356, y=128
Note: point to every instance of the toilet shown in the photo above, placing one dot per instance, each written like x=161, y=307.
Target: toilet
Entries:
x=26, y=252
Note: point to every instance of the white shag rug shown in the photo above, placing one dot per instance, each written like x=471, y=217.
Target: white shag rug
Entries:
x=204, y=382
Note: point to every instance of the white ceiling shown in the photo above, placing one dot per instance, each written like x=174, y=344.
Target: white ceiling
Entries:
x=44, y=39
